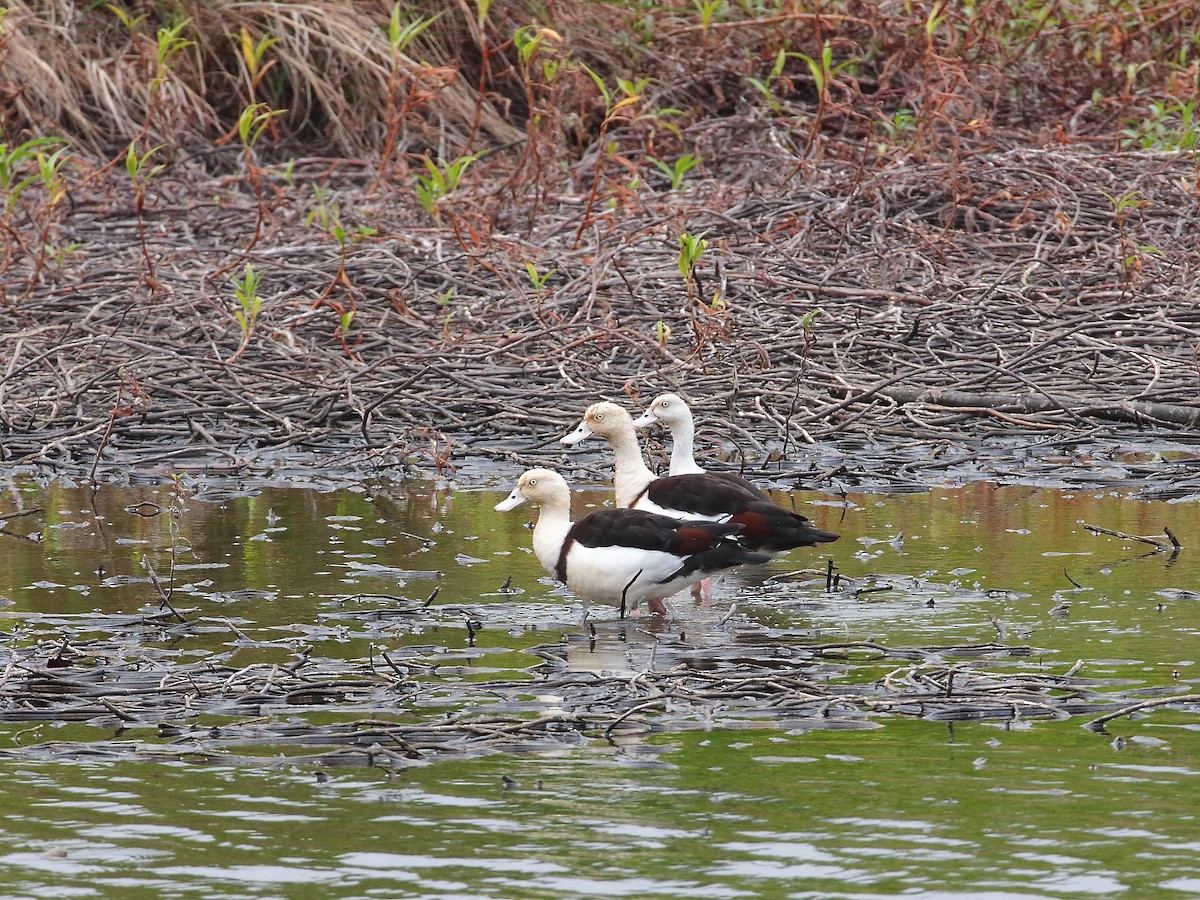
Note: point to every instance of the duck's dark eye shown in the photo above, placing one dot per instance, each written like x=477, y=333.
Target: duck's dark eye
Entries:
x=532, y=482
x=599, y=416
x=666, y=403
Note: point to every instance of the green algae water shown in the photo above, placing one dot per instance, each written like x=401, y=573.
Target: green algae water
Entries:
x=912, y=809
x=265, y=573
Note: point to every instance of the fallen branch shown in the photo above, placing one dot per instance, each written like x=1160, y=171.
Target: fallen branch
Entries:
x=163, y=596
x=1097, y=723
x=1160, y=546
x=1136, y=411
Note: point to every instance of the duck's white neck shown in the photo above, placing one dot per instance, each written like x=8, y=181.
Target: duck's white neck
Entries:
x=631, y=473
x=683, y=453
x=550, y=531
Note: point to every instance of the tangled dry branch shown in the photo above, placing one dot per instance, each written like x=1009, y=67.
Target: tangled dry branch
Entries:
x=152, y=703
x=1008, y=292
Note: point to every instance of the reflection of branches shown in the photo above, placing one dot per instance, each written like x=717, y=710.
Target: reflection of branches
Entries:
x=7, y=517
x=17, y=515
x=1169, y=560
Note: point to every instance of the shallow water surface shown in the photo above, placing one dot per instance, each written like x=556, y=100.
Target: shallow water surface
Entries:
x=913, y=808
x=716, y=800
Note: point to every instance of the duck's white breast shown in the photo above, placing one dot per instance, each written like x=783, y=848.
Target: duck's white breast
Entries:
x=601, y=574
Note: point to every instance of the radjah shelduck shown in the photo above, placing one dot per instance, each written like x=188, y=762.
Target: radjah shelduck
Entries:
x=766, y=526
x=672, y=411
x=623, y=557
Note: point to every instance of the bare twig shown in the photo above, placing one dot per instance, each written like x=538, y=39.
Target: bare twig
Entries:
x=1156, y=543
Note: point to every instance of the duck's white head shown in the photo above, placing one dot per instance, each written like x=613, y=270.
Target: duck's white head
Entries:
x=666, y=408
x=538, y=486
x=602, y=419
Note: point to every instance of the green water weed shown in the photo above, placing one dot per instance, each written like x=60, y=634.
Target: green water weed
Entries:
x=677, y=171
x=441, y=181
x=1170, y=125
x=141, y=170
x=246, y=289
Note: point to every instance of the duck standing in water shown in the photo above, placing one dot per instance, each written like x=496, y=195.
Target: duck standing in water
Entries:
x=766, y=526
x=623, y=556
x=672, y=411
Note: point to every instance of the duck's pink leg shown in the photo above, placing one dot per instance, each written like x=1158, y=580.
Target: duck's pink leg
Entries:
x=656, y=607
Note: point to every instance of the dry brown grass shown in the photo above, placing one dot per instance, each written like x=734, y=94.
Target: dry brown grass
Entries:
x=88, y=75
x=1070, y=68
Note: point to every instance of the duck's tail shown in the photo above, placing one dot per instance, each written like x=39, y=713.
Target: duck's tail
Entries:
x=769, y=528
x=713, y=546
